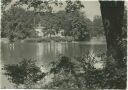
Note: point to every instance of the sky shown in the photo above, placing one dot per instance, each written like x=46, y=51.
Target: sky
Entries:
x=91, y=9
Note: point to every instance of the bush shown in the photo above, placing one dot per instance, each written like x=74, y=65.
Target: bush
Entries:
x=82, y=74
x=77, y=72
x=24, y=73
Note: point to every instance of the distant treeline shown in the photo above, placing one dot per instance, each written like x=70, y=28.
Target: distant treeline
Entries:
x=18, y=23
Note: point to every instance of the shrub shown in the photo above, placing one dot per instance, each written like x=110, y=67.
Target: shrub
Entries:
x=70, y=73
x=82, y=74
x=24, y=73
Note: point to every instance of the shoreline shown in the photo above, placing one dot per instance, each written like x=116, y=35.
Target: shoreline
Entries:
x=55, y=39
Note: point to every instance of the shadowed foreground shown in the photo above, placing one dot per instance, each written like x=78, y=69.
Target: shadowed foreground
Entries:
x=79, y=72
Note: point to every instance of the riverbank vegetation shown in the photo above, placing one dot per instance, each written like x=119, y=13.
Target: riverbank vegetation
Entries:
x=18, y=23
x=79, y=72
x=49, y=39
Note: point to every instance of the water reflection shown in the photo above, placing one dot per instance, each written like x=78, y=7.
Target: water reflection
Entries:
x=44, y=52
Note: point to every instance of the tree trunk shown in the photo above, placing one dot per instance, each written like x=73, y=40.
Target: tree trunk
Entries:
x=112, y=16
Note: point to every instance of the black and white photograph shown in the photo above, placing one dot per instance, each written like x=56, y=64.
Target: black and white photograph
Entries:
x=63, y=44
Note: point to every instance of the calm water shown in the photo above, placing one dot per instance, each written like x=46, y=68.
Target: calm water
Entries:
x=43, y=52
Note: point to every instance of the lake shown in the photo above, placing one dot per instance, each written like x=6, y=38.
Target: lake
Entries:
x=44, y=52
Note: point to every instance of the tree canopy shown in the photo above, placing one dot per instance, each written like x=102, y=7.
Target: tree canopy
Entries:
x=71, y=20
x=17, y=23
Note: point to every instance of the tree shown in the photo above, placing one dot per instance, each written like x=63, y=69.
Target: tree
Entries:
x=51, y=23
x=98, y=29
x=113, y=21
x=65, y=21
x=125, y=23
x=17, y=24
x=112, y=15
x=79, y=27
x=75, y=21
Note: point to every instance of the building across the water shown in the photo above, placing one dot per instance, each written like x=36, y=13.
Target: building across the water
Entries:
x=39, y=31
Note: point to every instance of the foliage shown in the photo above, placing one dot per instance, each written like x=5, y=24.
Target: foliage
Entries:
x=78, y=72
x=49, y=39
x=111, y=76
x=71, y=20
x=77, y=20
x=73, y=6
x=4, y=3
x=74, y=24
x=25, y=73
x=37, y=5
x=98, y=29
x=51, y=24
x=82, y=74
x=79, y=27
x=17, y=24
